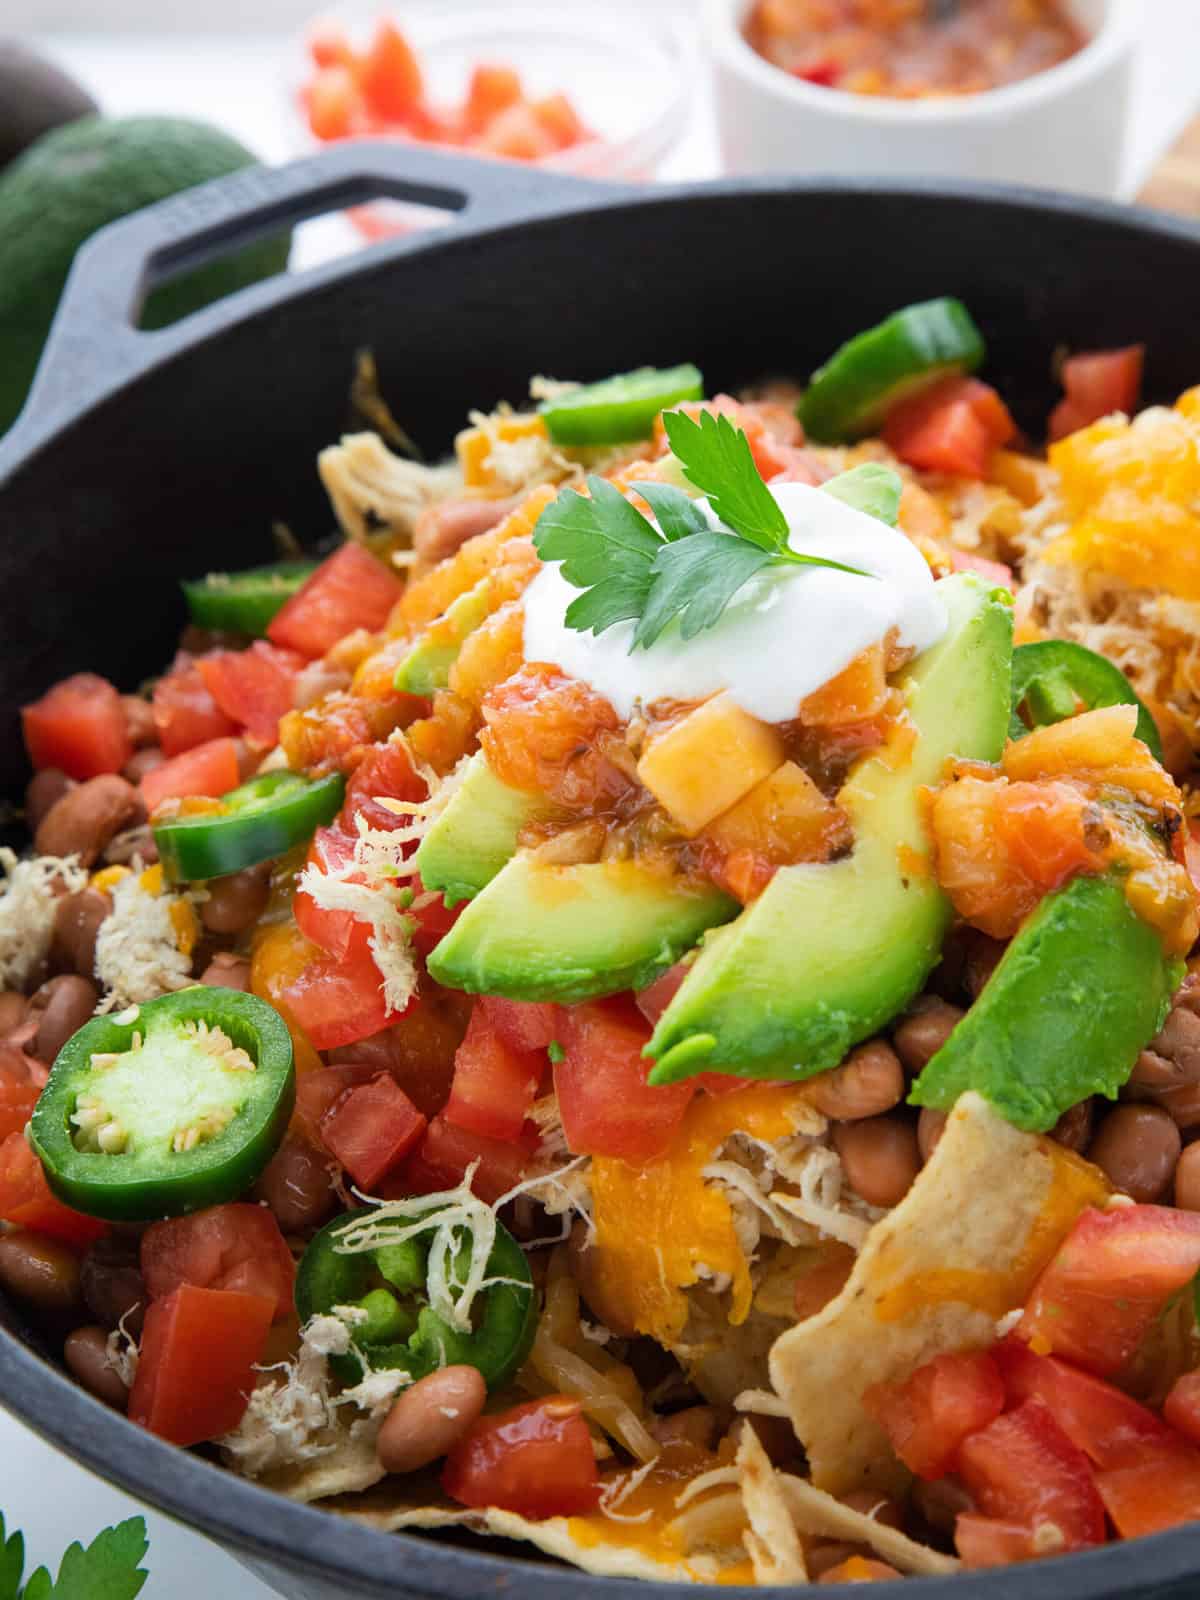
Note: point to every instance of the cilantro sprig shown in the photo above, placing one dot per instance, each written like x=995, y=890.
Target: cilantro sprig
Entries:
x=628, y=570
x=110, y=1568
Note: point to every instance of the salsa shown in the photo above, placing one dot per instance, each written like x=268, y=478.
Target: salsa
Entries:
x=910, y=50
x=652, y=988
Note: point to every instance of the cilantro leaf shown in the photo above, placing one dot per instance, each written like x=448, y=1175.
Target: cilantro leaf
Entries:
x=870, y=488
x=694, y=580
x=109, y=1569
x=12, y=1563
x=607, y=550
x=678, y=514
x=717, y=460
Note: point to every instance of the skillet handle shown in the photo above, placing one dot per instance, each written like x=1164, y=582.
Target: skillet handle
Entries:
x=94, y=346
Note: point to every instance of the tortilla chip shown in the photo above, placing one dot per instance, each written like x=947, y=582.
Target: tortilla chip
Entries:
x=349, y=1466
x=822, y=1517
x=962, y=1249
x=771, y=1539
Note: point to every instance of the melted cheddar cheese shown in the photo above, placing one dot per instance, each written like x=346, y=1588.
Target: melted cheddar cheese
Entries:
x=661, y=1226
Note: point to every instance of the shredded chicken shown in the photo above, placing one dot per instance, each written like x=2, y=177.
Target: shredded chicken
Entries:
x=375, y=492
x=28, y=899
x=138, y=948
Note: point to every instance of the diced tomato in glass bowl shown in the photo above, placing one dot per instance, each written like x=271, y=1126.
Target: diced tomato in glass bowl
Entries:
x=524, y=83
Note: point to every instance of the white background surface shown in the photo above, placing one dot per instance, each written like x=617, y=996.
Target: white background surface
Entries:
x=151, y=58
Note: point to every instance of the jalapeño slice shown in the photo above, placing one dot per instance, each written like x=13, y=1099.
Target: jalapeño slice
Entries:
x=244, y=602
x=398, y=1328
x=260, y=820
x=1053, y=679
x=621, y=408
x=166, y=1108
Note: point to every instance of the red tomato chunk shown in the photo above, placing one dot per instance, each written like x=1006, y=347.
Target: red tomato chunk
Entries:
x=607, y=1107
x=1100, y=1295
x=1097, y=383
x=494, y=1085
x=196, y=1367
x=522, y=1024
x=536, y=1460
x=236, y=1247
x=209, y=769
x=928, y=1417
x=952, y=427
x=337, y=1001
x=185, y=714
x=79, y=726
x=351, y=590
x=254, y=686
x=446, y=1153
x=372, y=1128
x=26, y=1199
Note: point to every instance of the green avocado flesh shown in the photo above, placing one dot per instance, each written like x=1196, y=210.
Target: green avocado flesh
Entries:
x=829, y=953
x=1078, y=993
x=571, y=933
x=427, y=665
x=476, y=834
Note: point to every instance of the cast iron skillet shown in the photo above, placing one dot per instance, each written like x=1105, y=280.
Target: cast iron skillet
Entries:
x=143, y=457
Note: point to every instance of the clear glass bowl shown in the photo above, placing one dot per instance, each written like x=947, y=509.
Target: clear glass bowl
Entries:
x=628, y=75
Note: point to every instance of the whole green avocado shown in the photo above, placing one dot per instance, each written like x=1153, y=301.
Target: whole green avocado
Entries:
x=72, y=182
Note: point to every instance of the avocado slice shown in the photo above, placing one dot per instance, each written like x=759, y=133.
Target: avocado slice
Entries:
x=427, y=665
x=829, y=953
x=469, y=842
x=570, y=933
x=1079, y=991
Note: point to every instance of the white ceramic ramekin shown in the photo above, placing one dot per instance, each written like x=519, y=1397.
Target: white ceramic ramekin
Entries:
x=1061, y=129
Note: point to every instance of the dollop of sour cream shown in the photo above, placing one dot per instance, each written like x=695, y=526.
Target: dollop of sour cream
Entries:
x=783, y=635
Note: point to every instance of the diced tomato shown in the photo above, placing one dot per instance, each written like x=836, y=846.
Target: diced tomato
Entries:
x=390, y=74
x=210, y=769
x=656, y=997
x=535, y=1459
x=350, y=590
x=607, y=1107
x=254, y=686
x=952, y=427
x=79, y=726
x=371, y=1129
x=494, y=1085
x=434, y=919
x=26, y=1199
x=929, y=1415
x=993, y=1542
x=335, y=105
x=444, y=1155
x=517, y=133
x=17, y=1101
x=417, y=1049
x=1023, y=1469
x=329, y=47
x=560, y=120
x=331, y=850
x=339, y=1000
x=993, y=571
x=1097, y=383
x=236, y=1247
x=196, y=1366
x=825, y=74
x=1159, y=1489
x=492, y=89
x=385, y=772
x=319, y=1090
x=1099, y=1296
x=1182, y=1406
x=1106, y=1424
x=185, y=714
x=521, y=1024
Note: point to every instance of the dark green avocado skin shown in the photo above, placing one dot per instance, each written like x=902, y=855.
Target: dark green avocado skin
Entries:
x=1079, y=992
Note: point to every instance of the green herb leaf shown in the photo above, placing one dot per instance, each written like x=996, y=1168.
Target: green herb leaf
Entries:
x=607, y=549
x=694, y=580
x=12, y=1563
x=717, y=460
x=109, y=1569
x=678, y=514
x=871, y=488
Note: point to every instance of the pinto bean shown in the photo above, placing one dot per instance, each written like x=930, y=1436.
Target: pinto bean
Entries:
x=924, y=1031
x=39, y=1271
x=983, y=957
x=139, y=720
x=297, y=1186
x=1187, y=1179
x=445, y=527
x=227, y=971
x=44, y=790
x=77, y=919
x=86, y=1355
x=694, y=1425
x=13, y=1009
x=87, y=817
x=869, y=1081
x=430, y=1418
x=64, y=1004
x=1073, y=1130
x=880, y=1157
x=142, y=762
x=931, y=1125
x=941, y=1501
x=112, y=1283
x=1138, y=1148
x=236, y=901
